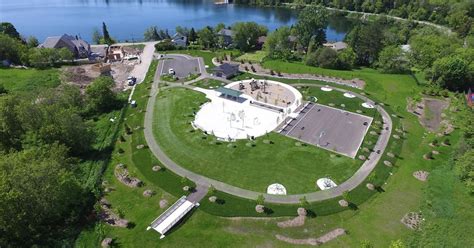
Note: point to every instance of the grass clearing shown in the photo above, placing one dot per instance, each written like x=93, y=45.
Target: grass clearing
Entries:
x=207, y=55
x=208, y=83
x=255, y=57
x=29, y=79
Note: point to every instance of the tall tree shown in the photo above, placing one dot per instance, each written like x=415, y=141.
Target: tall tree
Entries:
x=105, y=33
x=207, y=37
x=151, y=34
x=312, y=22
x=278, y=44
x=452, y=72
x=99, y=95
x=392, y=59
x=367, y=42
x=39, y=196
x=10, y=30
x=192, y=35
x=246, y=34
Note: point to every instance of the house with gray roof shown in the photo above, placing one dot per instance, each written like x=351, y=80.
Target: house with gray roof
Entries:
x=79, y=47
x=226, y=70
x=179, y=40
x=226, y=34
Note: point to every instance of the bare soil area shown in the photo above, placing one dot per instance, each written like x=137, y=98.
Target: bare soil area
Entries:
x=430, y=114
x=83, y=75
x=313, y=241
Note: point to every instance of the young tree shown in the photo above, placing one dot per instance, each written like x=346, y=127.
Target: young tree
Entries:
x=32, y=42
x=12, y=49
x=99, y=95
x=96, y=37
x=65, y=54
x=346, y=59
x=311, y=24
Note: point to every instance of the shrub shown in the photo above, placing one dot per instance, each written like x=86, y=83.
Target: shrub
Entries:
x=165, y=45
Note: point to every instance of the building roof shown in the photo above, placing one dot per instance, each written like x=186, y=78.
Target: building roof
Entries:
x=339, y=45
x=229, y=92
x=53, y=41
x=227, y=69
x=225, y=32
x=171, y=216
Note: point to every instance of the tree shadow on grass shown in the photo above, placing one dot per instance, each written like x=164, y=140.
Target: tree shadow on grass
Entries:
x=353, y=206
x=379, y=189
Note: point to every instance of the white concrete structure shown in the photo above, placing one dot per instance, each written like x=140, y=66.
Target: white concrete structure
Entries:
x=242, y=116
x=327, y=89
x=171, y=216
x=349, y=95
x=367, y=105
x=276, y=189
x=325, y=183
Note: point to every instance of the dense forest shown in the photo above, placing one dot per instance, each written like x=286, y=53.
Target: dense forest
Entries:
x=456, y=14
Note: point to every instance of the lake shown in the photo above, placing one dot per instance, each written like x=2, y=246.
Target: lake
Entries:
x=128, y=19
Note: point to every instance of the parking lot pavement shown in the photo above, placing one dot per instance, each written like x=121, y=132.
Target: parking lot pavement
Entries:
x=330, y=128
x=182, y=65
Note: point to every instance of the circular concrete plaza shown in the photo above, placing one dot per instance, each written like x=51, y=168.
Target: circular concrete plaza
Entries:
x=248, y=108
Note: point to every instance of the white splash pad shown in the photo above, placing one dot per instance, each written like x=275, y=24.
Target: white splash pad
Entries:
x=325, y=183
x=326, y=88
x=349, y=95
x=231, y=120
x=276, y=189
x=367, y=105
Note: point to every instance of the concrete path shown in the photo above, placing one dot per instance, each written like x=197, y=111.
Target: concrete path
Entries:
x=198, y=194
x=358, y=177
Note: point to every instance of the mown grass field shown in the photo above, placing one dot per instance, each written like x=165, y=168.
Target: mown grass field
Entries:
x=29, y=79
x=255, y=57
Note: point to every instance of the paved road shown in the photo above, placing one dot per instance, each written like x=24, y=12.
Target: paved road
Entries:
x=358, y=177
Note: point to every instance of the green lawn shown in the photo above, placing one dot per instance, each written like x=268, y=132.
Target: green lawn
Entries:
x=29, y=79
x=208, y=83
x=205, y=54
x=256, y=57
x=252, y=168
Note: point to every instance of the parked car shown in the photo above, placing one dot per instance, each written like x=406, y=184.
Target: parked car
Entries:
x=131, y=81
x=171, y=71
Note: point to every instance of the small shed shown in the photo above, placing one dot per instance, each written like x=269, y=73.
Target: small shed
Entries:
x=226, y=70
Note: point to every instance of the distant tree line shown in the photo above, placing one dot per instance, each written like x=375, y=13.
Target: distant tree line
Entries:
x=455, y=14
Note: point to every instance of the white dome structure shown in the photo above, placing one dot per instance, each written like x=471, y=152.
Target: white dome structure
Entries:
x=325, y=183
x=276, y=189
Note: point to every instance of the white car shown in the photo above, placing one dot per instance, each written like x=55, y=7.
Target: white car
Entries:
x=171, y=71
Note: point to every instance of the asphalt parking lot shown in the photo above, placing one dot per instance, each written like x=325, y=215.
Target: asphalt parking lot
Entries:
x=329, y=128
x=182, y=65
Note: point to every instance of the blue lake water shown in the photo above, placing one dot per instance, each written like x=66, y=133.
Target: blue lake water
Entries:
x=128, y=19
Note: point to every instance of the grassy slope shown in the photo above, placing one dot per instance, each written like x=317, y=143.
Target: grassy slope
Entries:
x=29, y=79
x=205, y=54
x=377, y=220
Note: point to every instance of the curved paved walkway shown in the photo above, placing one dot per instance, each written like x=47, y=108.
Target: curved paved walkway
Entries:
x=358, y=177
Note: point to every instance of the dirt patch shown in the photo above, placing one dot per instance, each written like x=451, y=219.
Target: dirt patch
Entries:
x=421, y=175
x=108, y=216
x=83, y=75
x=313, y=241
x=412, y=220
x=121, y=173
x=430, y=114
x=295, y=222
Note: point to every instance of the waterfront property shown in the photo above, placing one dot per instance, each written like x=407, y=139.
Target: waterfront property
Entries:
x=78, y=47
